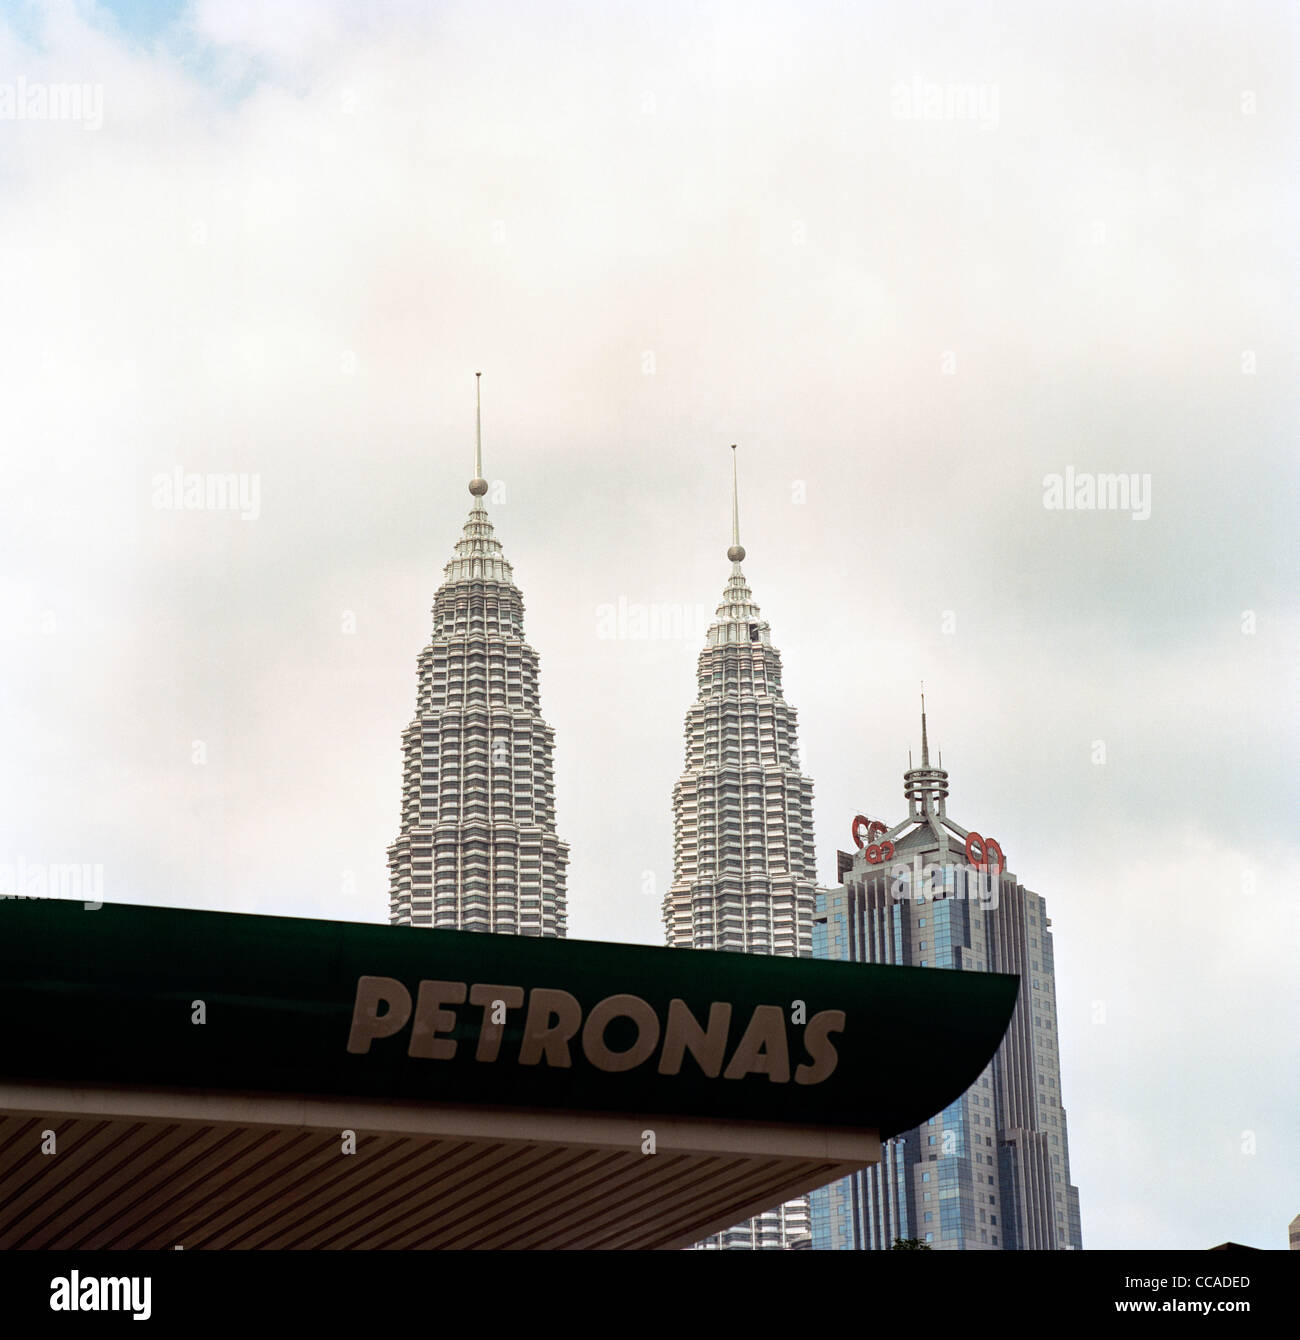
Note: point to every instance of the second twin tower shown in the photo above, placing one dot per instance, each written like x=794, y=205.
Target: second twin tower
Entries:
x=744, y=869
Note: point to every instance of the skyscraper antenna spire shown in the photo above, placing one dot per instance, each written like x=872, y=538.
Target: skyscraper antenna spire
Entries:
x=737, y=551
x=478, y=486
x=925, y=786
x=925, y=744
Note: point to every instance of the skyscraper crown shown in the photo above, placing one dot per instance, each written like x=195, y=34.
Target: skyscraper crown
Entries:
x=738, y=618
x=925, y=788
x=478, y=554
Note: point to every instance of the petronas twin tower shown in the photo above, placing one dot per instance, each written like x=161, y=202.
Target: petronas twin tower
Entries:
x=744, y=873
x=478, y=850
x=744, y=870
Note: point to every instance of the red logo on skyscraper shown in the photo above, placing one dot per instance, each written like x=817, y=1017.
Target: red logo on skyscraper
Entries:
x=864, y=830
x=981, y=850
x=872, y=827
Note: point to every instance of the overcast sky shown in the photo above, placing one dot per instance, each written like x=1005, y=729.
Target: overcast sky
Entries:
x=914, y=259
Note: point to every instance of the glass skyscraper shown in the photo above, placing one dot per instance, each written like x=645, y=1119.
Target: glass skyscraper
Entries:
x=992, y=1171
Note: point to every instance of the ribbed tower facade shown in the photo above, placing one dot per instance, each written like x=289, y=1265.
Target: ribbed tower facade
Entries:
x=992, y=1171
x=744, y=873
x=478, y=849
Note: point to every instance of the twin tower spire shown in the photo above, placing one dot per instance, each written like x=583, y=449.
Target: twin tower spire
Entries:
x=737, y=551
x=478, y=486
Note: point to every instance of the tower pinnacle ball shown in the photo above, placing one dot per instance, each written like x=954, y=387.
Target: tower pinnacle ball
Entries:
x=478, y=487
x=736, y=553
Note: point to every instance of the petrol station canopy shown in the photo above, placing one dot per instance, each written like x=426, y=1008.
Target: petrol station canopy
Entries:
x=205, y=1080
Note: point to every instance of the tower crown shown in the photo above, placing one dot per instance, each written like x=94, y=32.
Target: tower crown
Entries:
x=738, y=618
x=478, y=553
x=925, y=788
